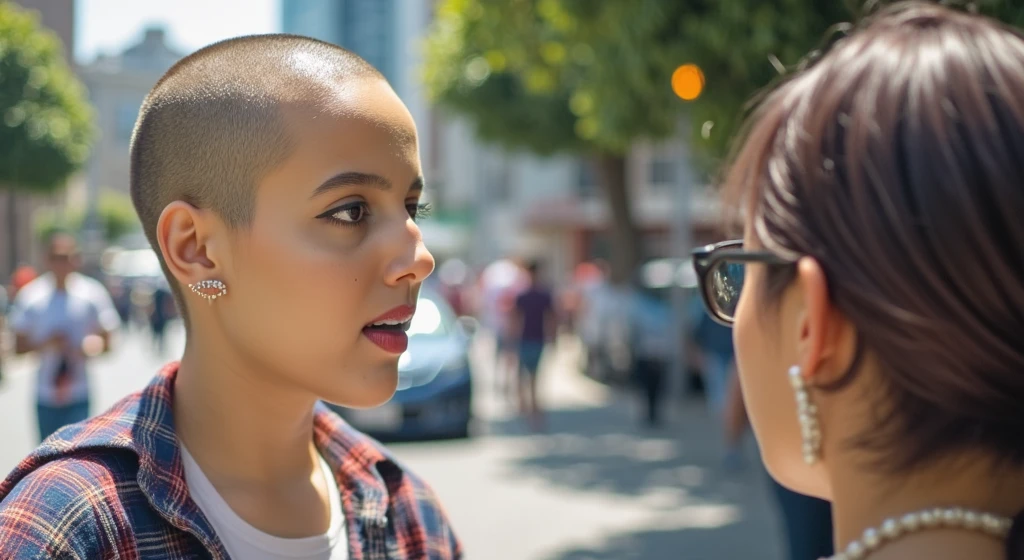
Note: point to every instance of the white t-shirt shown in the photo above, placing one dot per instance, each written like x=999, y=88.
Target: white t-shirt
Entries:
x=243, y=541
x=82, y=309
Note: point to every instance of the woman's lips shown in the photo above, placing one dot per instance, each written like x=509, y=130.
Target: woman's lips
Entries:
x=388, y=330
x=391, y=340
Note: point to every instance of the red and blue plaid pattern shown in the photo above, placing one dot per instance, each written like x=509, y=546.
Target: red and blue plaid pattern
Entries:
x=114, y=487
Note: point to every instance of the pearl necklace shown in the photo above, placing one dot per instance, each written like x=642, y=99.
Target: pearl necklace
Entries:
x=953, y=518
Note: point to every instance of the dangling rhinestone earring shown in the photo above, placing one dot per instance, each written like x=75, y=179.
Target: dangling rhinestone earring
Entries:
x=808, y=415
x=220, y=287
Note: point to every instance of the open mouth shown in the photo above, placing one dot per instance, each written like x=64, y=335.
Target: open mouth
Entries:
x=389, y=330
x=390, y=326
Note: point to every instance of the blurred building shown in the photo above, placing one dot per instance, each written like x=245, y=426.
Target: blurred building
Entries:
x=59, y=16
x=17, y=209
x=554, y=207
x=367, y=27
x=387, y=33
x=117, y=86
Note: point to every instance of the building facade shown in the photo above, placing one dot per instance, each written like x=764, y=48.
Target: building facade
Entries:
x=117, y=86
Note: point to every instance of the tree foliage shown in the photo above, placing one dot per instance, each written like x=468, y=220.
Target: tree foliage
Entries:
x=557, y=75
x=114, y=211
x=586, y=76
x=593, y=77
x=45, y=119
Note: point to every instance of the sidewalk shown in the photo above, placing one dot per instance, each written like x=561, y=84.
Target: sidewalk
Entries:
x=112, y=376
x=675, y=501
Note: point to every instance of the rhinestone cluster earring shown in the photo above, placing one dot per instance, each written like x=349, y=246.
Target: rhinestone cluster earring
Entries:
x=810, y=430
x=220, y=289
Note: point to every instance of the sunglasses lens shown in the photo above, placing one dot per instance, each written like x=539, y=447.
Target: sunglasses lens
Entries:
x=724, y=285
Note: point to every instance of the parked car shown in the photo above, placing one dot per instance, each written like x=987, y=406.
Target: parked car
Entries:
x=130, y=275
x=435, y=396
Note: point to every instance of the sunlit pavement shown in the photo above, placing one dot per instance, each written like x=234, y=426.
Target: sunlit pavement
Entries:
x=595, y=485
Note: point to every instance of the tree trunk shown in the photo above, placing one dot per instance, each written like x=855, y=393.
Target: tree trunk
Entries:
x=12, y=230
x=623, y=234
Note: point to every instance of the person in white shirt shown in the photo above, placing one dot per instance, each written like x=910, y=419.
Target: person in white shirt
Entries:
x=66, y=318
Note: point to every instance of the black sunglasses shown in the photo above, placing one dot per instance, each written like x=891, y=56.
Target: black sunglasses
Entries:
x=720, y=272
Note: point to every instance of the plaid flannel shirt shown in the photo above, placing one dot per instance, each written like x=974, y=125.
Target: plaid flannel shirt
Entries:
x=114, y=487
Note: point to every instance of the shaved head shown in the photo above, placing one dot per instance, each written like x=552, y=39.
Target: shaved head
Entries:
x=213, y=126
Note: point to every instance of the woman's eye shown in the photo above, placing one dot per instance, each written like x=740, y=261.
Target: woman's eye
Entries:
x=351, y=214
x=418, y=211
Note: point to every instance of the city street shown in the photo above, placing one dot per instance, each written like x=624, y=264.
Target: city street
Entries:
x=596, y=485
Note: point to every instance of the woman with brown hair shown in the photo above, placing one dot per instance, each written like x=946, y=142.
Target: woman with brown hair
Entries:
x=880, y=328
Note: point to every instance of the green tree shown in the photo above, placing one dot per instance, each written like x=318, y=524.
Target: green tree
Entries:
x=569, y=76
x=577, y=76
x=115, y=214
x=591, y=77
x=45, y=119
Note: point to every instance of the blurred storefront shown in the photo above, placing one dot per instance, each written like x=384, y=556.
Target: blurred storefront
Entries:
x=579, y=228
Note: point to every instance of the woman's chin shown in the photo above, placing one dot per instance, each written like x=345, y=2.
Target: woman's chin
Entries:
x=373, y=390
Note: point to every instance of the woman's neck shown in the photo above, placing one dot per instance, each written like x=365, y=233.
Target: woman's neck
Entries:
x=242, y=427
x=863, y=498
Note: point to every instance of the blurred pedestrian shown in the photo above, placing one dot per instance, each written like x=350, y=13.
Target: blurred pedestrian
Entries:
x=66, y=318
x=453, y=282
x=3, y=330
x=652, y=345
x=21, y=276
x=595, y=294
x=714, y=354
x=161, y=313
x=536, y=324
x=573, y=298
x=501, y=282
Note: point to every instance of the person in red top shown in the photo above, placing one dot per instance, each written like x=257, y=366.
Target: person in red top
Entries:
x=21, y=277
x=278, y=179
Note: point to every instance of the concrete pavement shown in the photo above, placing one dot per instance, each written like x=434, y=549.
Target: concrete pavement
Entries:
x=595, y=485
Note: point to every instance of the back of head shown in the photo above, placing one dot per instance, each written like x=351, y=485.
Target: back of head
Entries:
x=212, y=127
x=897, y=162
x=534, y=268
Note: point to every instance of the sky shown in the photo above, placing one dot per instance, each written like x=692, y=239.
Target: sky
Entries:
x=108, y=26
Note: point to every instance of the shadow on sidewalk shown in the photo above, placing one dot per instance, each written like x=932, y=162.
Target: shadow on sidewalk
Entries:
x=692, y=544
x=699, y=510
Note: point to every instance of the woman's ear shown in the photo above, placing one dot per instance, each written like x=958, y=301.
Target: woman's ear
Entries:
x=826, y=340
x=184, y=234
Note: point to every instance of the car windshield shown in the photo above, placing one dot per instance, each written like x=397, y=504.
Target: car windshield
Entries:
x=135, y=264
x=433, y=316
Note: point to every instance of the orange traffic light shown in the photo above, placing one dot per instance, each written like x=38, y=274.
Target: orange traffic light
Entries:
x=688, y=82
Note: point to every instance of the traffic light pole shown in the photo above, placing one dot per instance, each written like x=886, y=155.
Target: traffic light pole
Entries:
x=681, y=245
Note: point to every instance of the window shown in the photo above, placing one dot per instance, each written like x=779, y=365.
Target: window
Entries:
x=586, y=179
x=126, y=115
x=662, y=172
x=500, y=176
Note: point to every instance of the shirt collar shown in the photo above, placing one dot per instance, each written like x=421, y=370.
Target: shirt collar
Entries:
x=144, y=425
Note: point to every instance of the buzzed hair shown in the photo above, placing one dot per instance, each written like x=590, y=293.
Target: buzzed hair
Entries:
x=212, y=127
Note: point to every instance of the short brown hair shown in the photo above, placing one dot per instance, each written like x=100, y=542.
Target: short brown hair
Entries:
x=897, y=162
x=211, y=127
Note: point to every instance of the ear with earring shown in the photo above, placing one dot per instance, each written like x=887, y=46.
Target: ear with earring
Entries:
x=213, y=289
x=807, y=412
